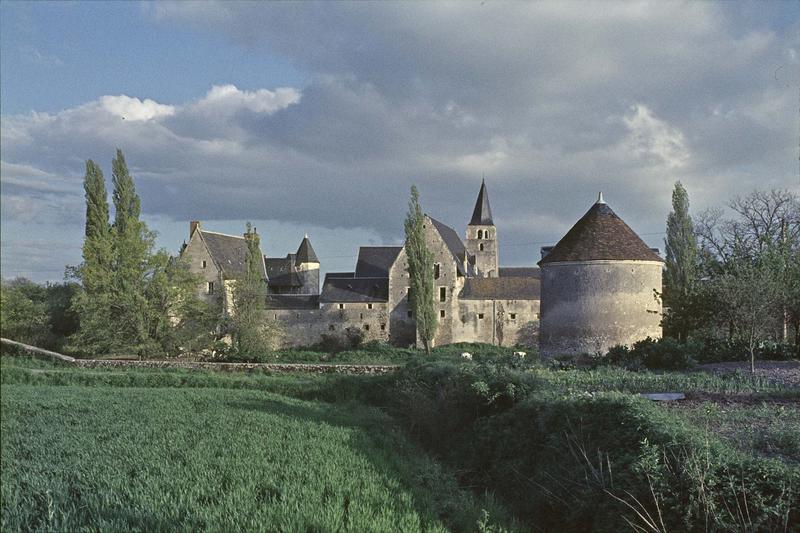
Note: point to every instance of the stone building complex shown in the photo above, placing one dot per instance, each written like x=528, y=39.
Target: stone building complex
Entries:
x=595, y=286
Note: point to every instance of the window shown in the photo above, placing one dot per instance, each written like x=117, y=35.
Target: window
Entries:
x=362, y=316
x=203, y=263
x=369, y=306
x=366, y=327
x=441, y=313
x=442, y=294
x=408, y=293
x=480, y=316
x=410, y=314
x=480, y=234
x=331, y=327
x=481, y=247
x=437, y=270
x=513, y=316
x=341, y=306
x=536, y=316
x=383, y=327
x=210, y=287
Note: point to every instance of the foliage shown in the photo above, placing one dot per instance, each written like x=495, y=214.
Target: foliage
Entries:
x=655, y=354
x=254, y=335
x=420, y=272
x=38, y=314
x=232, y=460
x=680, y=274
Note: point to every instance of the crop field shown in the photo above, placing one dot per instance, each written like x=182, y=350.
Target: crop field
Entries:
x=212, y=458
x=443, y=445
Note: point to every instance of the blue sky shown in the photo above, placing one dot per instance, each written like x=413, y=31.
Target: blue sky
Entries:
x=317, y=117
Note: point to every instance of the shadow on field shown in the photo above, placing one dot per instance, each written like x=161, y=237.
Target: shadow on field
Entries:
x=401, y=463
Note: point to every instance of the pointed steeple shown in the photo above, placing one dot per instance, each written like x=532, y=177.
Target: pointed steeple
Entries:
x=482, y=215
x=305, y=253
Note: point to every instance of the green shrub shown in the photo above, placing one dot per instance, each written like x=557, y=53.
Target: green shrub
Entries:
x=655, y=354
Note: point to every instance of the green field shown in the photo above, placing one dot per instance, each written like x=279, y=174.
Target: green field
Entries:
x=436, y=446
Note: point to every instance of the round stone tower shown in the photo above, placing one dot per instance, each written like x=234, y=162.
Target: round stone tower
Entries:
x=598, y=287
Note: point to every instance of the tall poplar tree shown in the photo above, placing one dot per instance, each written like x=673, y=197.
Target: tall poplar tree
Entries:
x=420, y=272
x=92, y=304
x=133, y=245
x=682, y=267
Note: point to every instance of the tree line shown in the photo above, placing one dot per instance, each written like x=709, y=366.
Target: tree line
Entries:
x=734, y=276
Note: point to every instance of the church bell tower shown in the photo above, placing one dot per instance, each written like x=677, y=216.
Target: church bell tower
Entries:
x=482, y=236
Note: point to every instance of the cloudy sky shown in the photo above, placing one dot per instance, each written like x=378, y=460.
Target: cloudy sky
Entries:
x=317, y=118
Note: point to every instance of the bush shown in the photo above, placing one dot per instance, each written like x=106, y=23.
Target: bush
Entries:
x=655, y=354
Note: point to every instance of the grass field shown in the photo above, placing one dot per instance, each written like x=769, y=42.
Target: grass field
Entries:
x=143, y=449
x=213, y=458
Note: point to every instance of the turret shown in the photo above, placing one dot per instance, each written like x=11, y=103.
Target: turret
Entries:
x=482, y=236
x=307, y=265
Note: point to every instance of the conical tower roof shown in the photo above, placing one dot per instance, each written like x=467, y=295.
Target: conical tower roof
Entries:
x=305, y=253
x=600, y=235
x=482, y=215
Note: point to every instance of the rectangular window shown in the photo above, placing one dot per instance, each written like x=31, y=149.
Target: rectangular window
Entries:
x=436, y=270
x=383, y=327
x=369, y=306
x=442, y=294
x=442, y=313
x=331, y=327
x=410, y=314
x=362, y=316
x=341, y=306
x=366, y=327
x=513, y=316
x=480, y=316
x=408, y=293
x=210, y=287
x=204, y=263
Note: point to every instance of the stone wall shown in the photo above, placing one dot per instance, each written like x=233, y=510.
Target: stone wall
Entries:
x=500, y=322
x=304, y=327
x=588, y=307
x=194, y=254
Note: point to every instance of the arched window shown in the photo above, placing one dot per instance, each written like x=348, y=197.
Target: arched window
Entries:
x=481, y=247
x=480, y=234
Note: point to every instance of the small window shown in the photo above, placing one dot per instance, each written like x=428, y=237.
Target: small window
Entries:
x=331, y=327
x=210, y=287
x=437, y=270
x=369, y=306
x=410, y=314
x=203, y=263
x=366, y=327
x=480, y=316
x=442, y=294
x=383, y=327
x=442, y=313
x=362, y=316
x=536, y=316
x=481, y=247
x=480, y=234
x=513, y=316
x=408, y=293
x=341, y=306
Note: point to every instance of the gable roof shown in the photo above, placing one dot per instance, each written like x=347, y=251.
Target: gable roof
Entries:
x=375, y=261
x=452, y=241
x=281, y=271
x=305, y=253
x=519, y=272
x=600, y=235
x=229, y=252
x=512, y=288
x=482, y=214
x=344, y=290
x=292, y=301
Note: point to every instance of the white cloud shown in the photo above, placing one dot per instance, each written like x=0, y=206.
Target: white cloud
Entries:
x=134, y=109
x=653, y=139
x=229, y=97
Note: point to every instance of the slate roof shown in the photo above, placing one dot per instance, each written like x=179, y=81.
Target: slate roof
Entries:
x=511, y=288
x=453, y=243
x=229, y=252
x=519, y=272
x=600, y=235
x=344, y=290
x=281, y=271
x=292, y=301
x=482, y=214
x=305, y=253
x=375, y=261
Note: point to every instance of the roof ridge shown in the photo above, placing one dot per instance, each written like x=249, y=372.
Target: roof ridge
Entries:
x=223, y=234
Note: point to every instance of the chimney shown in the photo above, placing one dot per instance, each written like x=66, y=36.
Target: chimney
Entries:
x=193, y=225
